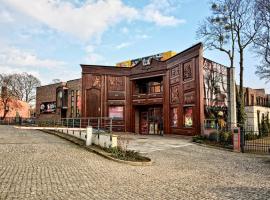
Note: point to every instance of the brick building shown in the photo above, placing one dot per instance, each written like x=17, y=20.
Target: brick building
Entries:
x=157, y=96
x=59, y=100
x=257, y=107
x=182, y=94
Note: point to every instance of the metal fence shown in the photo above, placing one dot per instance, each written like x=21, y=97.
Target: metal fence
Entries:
x=98, y=123
x=256, y=141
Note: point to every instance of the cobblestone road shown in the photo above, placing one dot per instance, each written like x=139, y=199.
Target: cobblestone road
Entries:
x=35, y=165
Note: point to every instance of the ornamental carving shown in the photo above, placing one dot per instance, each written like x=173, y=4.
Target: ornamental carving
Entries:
x=175, y=94
x=96, y=81
x=175, y=71
x=189, y=98
x=116, y=83
x=188, y=71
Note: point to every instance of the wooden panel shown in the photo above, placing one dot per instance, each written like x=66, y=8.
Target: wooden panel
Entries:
x=175, y=71
x=175, y=80
x=188, y=71
x=147, y=101
x=189, y=85
x=189, y=98
x=146, y=96
x=116, y=103
x=116, y=83
x=175, y=94
x=93, y=103
x=113, y=95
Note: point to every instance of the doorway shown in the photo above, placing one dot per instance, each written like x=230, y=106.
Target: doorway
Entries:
x=151, y=120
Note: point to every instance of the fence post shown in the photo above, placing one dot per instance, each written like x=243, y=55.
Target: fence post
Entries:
x=89, y=133
x=242, y=139
x=110, y=125
x=98, y=124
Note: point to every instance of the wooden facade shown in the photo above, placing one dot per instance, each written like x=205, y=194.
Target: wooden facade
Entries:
x=171, y=103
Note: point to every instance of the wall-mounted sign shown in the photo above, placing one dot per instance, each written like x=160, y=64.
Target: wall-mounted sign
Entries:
x=48, y=107
x=146, y=60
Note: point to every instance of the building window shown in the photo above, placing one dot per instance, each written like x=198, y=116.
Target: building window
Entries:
x=72, y=103
x=252, y=100
x=174, y=117
x=77, y=103
x=116, y=112
x=59, y=98
x=188, y=117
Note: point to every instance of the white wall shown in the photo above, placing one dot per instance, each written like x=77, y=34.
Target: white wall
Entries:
x=252, y=117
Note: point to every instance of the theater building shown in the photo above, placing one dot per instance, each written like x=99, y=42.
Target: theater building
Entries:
x=154, y=96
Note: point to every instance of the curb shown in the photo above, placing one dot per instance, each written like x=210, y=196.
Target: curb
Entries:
x=97, y=151
x=214, y=147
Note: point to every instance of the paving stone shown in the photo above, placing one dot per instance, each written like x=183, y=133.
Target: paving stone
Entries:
x=37, y=165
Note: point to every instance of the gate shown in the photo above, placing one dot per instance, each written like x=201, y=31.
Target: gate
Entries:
x=255, y=141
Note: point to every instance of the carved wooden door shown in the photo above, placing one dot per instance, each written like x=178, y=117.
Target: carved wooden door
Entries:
x=93, y=103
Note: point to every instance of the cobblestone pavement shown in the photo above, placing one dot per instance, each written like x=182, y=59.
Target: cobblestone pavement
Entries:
x=36, y=165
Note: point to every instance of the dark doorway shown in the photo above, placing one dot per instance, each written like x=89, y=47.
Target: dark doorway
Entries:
x=63, y=113
x=151, y=120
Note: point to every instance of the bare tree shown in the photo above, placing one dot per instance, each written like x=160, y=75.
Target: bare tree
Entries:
x=30, y=83
x=7, y=94
x=216, y=30
x=262, y=40
x=16, y=87
x=246, y=29
x=233, y=24
x=56, y=80
x=23, y=86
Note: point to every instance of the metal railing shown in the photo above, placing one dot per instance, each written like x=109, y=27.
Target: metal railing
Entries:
x=255, y=141
x=98, y=123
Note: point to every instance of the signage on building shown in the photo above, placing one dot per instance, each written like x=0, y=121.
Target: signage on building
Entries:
x=146, y=60
x=48, y=107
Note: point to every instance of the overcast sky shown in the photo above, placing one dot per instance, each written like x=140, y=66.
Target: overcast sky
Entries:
x=51, y=38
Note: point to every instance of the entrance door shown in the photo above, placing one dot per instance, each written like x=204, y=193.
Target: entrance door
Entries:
x=155, y=120
x=151, y=121
x=144, y=123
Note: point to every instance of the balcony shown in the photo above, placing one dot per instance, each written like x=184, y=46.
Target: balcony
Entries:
x=148, y=91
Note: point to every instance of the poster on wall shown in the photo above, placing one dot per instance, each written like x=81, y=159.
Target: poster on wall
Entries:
x=174, y=117
x=188, y=117
x=48, y=107
x=116, y=112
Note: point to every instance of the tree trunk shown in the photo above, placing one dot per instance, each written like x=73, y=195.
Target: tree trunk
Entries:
x=5, y=114
x=241, y=107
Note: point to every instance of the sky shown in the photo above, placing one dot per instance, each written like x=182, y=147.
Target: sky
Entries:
x=51, y=38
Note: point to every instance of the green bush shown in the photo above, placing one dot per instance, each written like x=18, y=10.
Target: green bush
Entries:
x=264, y=129
x=198, y=138
x=121, y=154
x=251, y=136
x=225, y=137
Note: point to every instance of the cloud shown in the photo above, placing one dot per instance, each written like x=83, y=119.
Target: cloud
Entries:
x=84, y=20
x=123, y=45
x=90, y=19
x=157, y=12
x=14, y=57
x=91, y=56
x=124, y=30
x=143, y=36
x=5, y=17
